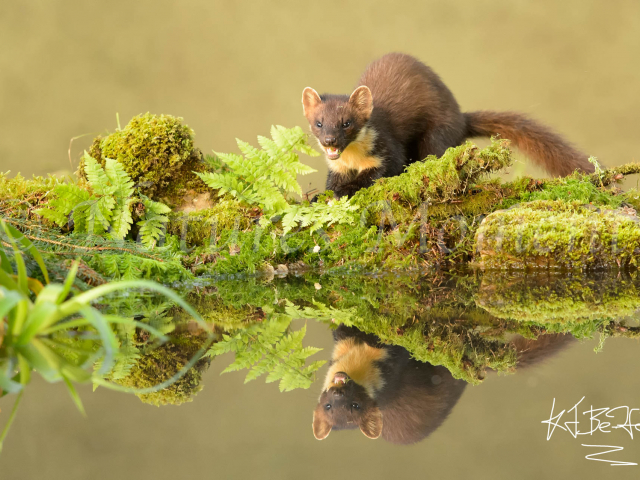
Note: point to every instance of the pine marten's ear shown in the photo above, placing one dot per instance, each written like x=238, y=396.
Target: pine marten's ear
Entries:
x=321, y=424
x=310, y=101
x=371, y=423
x=362, y=101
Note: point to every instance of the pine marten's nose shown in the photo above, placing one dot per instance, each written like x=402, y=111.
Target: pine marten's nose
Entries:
x=338, y=392
x=329, y=141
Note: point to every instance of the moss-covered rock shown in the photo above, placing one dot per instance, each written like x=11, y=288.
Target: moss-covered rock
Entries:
x=157, y=152
x=197, y=228
x=547, y=233
x=158, y=364
x=559, y=297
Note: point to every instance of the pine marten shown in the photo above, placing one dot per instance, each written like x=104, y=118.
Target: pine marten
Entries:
x=384, y=392
x=400, y=113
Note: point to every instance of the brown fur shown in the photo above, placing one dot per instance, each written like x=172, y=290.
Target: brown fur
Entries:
x=412, y=115
x=547, y=148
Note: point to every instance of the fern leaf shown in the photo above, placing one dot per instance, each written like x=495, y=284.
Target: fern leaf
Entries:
x=154, y=224
x=119, y=180
x=96, y=176
x=121, y=220
x=65, y=197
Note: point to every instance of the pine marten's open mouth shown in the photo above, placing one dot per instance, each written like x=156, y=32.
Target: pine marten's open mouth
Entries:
x=340, y=378
x=333, y=153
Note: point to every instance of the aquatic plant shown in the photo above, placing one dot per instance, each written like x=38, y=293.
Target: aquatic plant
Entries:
x=34, y=316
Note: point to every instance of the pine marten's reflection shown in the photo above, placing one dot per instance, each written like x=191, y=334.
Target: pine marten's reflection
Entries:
x=385, y=393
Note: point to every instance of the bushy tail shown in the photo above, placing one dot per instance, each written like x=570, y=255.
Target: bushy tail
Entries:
x=534, y=351
x=546, y=148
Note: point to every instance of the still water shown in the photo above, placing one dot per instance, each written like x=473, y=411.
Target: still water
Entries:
x=231, y=69
x=453, y=373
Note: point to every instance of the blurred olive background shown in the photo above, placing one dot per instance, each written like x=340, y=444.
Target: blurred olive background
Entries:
x=231, y=69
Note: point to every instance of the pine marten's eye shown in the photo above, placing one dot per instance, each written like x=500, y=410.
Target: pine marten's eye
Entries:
x=319, y=124
x=346, y=124
x=355, y=406
x=327, y=406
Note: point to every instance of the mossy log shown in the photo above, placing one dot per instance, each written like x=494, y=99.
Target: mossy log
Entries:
x=442, y=212
x=433, y=215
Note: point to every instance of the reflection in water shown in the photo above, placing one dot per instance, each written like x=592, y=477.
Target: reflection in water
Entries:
x=384, y=392
x=146, y=364
x=405, y=344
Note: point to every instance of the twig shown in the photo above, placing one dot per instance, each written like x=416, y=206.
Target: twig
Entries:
x=614, y=174
x=70, y=245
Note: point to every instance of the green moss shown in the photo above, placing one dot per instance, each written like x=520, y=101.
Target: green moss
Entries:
x=196, y=228
x=157, y=151
x=436, y=180
x=559, y=298
x=575, y=188
x=19, y=195
x=158, y=364
x=632, y=198
x=557, y=234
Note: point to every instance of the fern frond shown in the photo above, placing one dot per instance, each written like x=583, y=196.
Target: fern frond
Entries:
x=121, y=220
x=267, y=349
x=65, y=197
x=155, y=221
x=263, y=176
x=96, y=176
x=119, y=180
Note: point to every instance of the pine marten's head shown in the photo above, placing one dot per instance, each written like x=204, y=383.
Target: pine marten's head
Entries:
x=344, y=404
x=337, y=120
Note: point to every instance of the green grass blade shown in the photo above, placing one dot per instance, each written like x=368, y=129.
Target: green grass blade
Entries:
x=19, y=237
x=109, y=340
x=74, y=304
x=40, y=316
x=74, y=395
x=5, y=263
x=25, y=370
x=10, y=420
x=68, y=281
x=6, y=281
